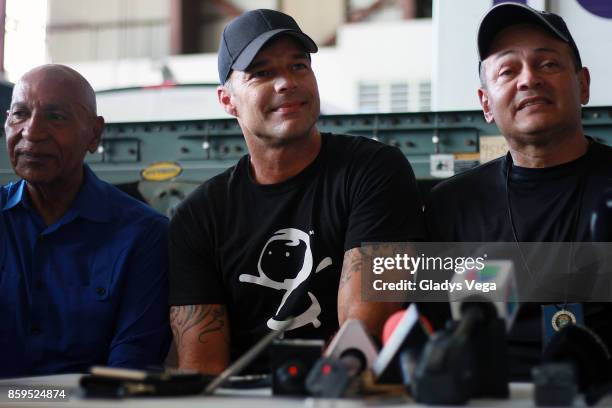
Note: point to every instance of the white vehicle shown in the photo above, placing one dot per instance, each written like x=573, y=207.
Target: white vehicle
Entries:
x=167, y=101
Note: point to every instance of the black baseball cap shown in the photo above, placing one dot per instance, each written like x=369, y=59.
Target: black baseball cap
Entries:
x=508, y=14
x=244, y=36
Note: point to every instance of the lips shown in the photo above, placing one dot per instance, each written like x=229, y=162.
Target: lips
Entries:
x=33, y=156
x=533, y=100
x=289, y=107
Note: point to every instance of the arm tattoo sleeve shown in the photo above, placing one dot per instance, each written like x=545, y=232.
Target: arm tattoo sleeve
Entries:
x=351, y=265
x=204, y=319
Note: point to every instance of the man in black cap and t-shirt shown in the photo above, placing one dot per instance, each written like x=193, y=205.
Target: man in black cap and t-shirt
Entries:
x=277, y=235
x=546, y=188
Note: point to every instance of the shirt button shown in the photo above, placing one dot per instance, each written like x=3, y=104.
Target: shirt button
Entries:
x=100, y=290
x=35, y=329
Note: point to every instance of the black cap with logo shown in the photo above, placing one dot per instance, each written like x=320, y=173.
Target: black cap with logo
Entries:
x=245, y=35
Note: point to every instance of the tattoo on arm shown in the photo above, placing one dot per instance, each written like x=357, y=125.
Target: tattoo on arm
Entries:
x=204, y=319
x=350, y=266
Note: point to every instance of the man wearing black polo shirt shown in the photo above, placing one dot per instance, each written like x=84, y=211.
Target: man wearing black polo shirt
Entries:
x=545, y=189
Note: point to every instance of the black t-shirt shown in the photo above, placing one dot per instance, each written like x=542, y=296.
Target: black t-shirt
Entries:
x=545, y=204
x=272, y=251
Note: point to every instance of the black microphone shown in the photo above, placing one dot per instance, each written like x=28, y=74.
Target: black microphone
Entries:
x=470, y=307
x=468, y=359
x=351, y=352
x=586, y=354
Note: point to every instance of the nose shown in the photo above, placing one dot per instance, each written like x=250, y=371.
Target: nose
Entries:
x=285, y=81
x=528, y=78
x=34, y=128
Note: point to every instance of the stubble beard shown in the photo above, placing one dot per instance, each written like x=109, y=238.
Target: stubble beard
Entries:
x=547, y=136
x=285, y=139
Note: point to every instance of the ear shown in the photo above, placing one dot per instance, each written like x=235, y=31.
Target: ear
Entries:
x=98, y=128
x=225, y=99
x=483, y=96
x=584, y=80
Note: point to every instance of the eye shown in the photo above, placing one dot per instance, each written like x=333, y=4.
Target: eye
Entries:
x=19, y=114
x=56, y=116
x=299, y=66
x=505, y=72
x=262, y=73
x=549, y=64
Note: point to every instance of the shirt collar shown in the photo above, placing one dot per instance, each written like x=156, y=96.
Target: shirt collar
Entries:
x=91, y=201
x=15, y=195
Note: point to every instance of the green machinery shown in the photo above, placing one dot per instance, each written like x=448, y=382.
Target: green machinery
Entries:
x=203, y=148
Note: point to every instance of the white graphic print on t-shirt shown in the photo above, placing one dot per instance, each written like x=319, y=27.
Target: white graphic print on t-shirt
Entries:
x=292, y=238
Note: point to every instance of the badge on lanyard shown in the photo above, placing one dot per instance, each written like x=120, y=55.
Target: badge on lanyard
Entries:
x=555, y=317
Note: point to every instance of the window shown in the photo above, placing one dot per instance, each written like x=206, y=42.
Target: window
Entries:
x=396, y=96
x=368, y=97
x=424, y=96
x=399, y=97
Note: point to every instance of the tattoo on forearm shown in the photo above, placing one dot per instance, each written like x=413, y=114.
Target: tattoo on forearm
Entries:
x=203, y=318
x=215, y=323
x=350, y=265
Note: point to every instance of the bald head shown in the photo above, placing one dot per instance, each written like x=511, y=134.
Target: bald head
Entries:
x=64, y=79
x=51, y=125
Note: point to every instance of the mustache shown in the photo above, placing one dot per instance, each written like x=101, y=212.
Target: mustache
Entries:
x=288, y=101
x=526, y=100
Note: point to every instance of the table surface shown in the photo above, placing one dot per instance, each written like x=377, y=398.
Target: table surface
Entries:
x=521, y=396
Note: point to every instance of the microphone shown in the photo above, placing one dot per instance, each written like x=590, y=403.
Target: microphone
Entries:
x=404, y=335
x=391, y=324
x=586, y=355
x=352, y=337
x=505, y=306
x=350, y=353
x=469, y=359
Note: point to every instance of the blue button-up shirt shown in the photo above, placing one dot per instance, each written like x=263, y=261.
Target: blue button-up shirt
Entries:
x=89, y=289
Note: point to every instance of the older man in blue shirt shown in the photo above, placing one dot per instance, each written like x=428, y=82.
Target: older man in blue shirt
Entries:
x=83, y=276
